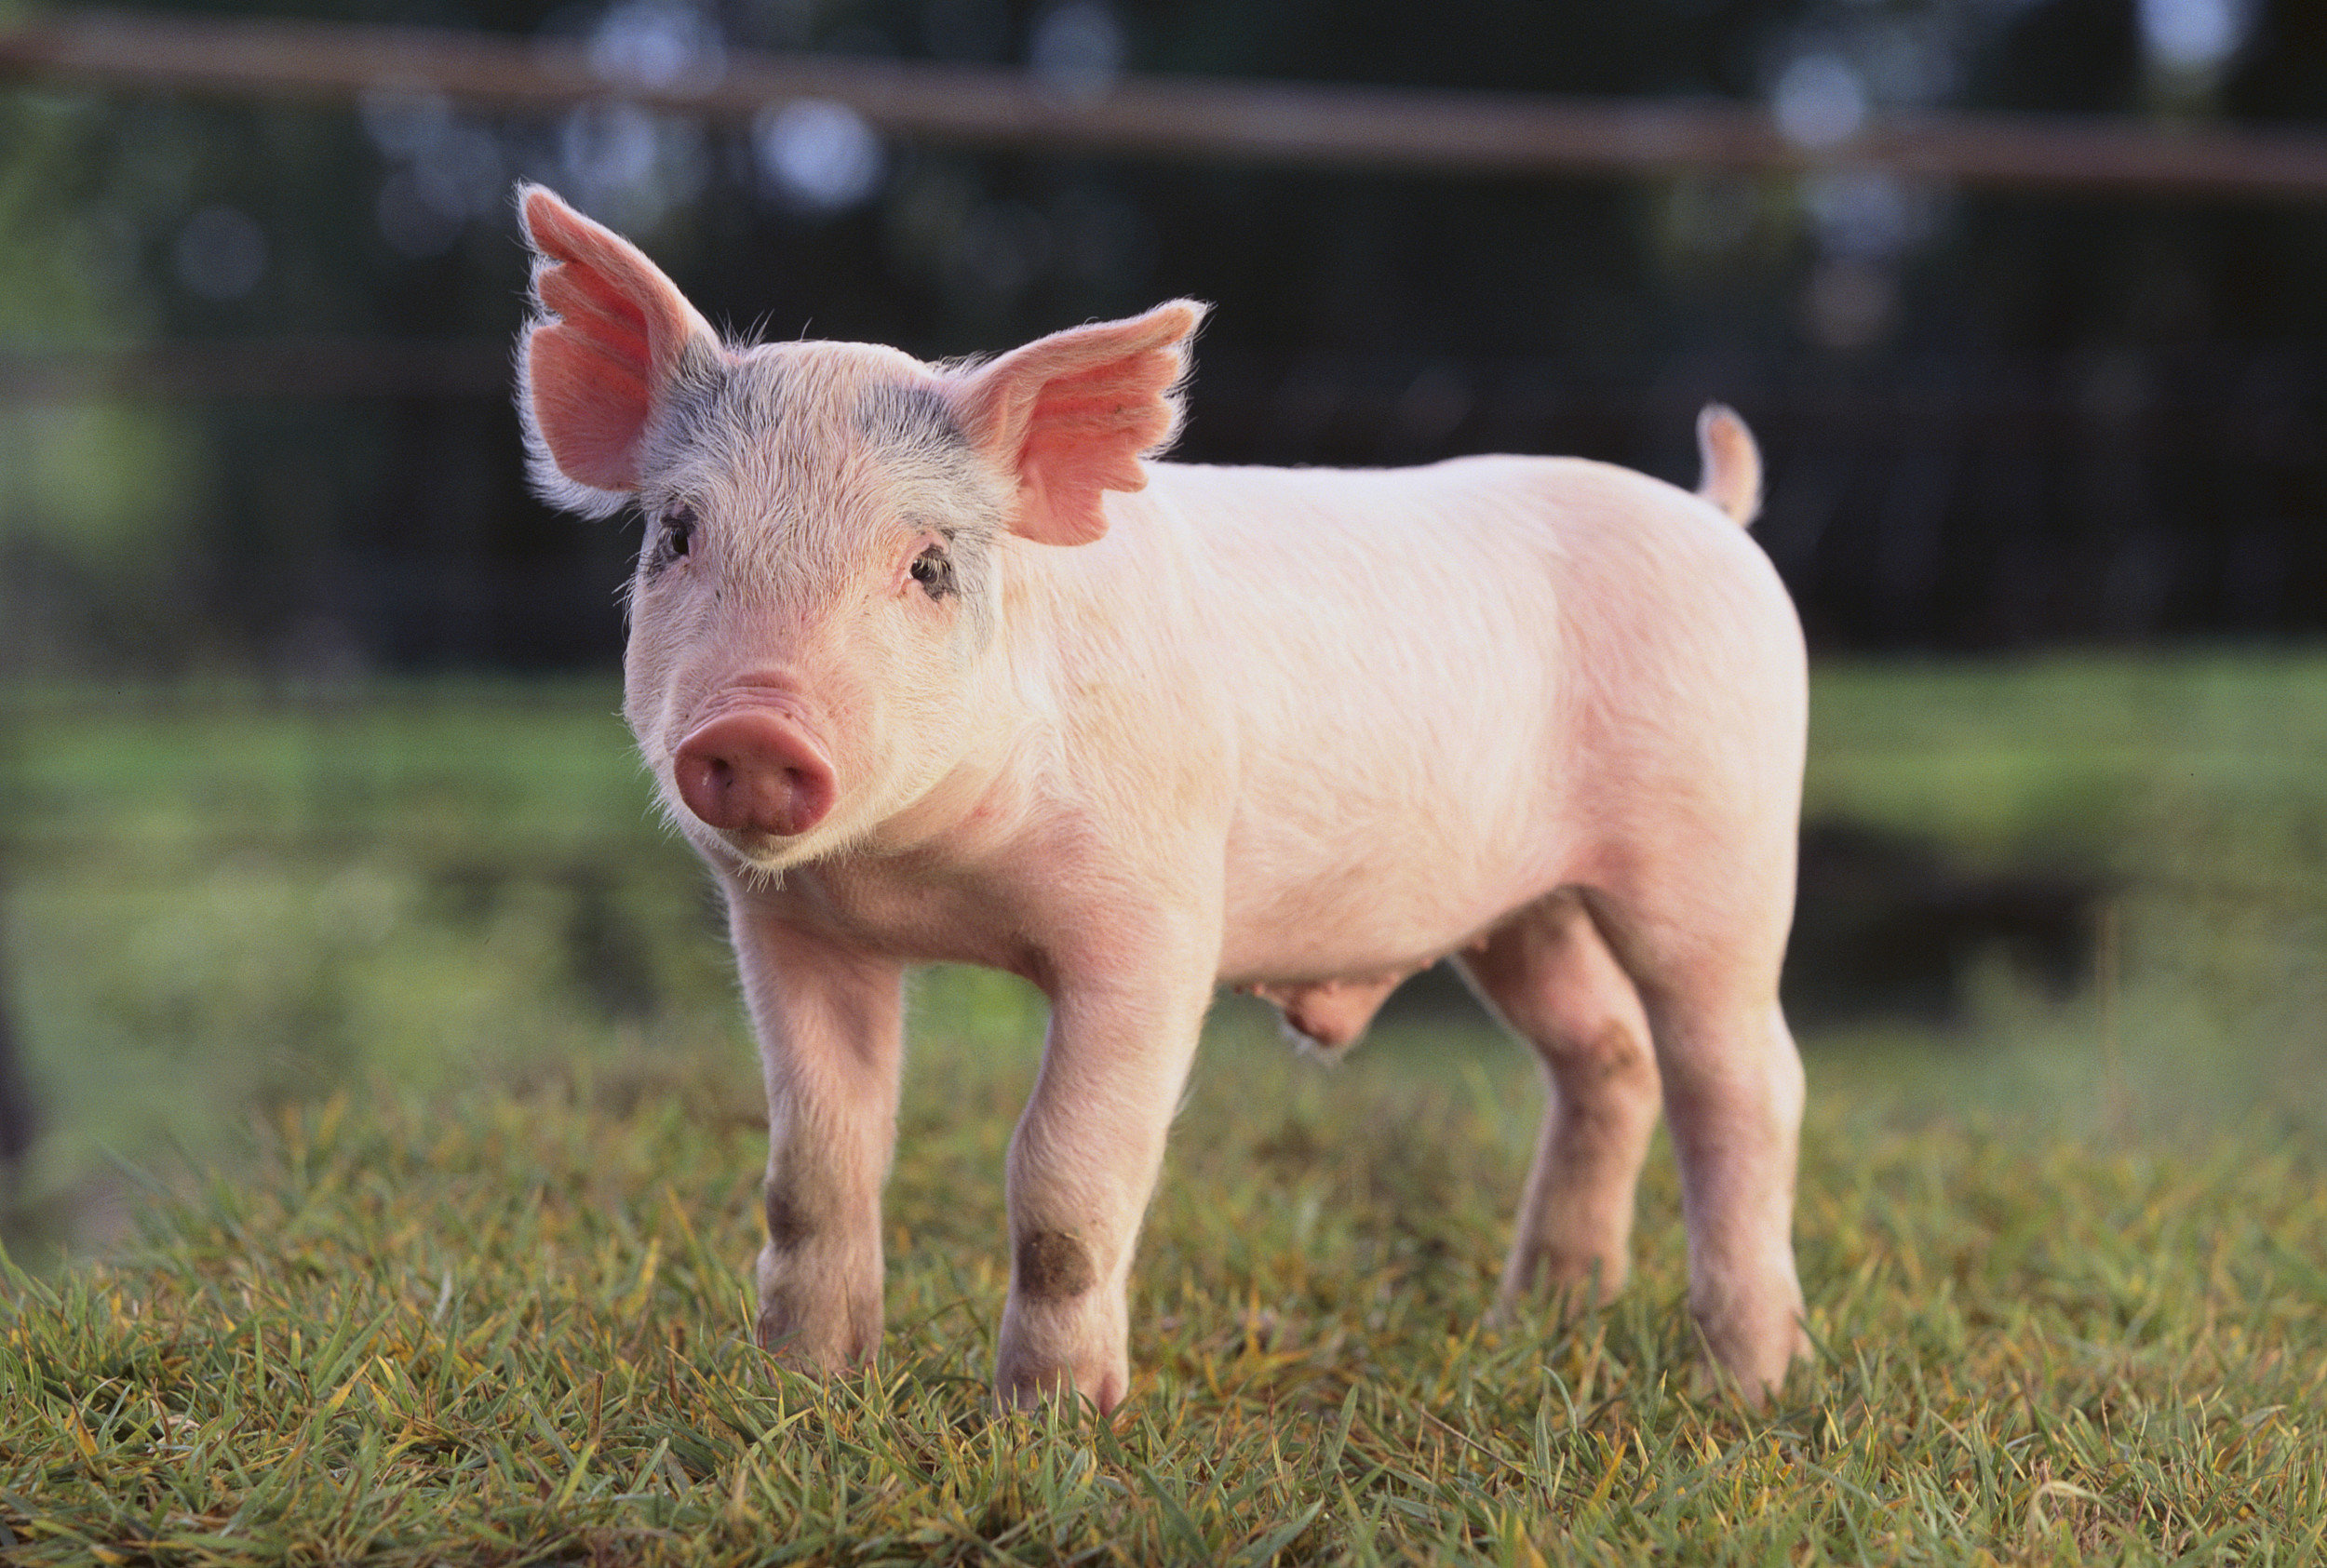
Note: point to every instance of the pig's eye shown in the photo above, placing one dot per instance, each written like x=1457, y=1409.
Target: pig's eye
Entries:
x=933, y=568
x=678, y=535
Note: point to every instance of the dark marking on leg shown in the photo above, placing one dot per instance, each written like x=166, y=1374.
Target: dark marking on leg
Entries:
x=1615, y=1053
x=1053, y=1264
x=788, y=1227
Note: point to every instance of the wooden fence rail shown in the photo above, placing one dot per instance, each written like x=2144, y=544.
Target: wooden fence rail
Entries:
x=1446, y=133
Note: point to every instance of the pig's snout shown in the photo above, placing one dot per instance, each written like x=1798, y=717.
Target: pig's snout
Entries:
x=754, y=772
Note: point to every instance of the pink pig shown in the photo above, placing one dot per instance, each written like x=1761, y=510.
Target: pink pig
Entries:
x=933, y=662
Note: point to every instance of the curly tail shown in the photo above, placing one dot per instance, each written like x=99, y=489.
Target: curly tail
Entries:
x=1732, y=463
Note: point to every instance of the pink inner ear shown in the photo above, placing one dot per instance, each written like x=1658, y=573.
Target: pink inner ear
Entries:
x=595, y=370
x=1084, y=436
x=1073, y=413
x=590, y=380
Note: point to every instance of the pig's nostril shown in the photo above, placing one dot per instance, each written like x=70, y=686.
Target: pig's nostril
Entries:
x=807, y=798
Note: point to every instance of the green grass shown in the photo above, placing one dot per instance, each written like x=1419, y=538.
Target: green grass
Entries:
x=405, y=1152
x=504, y=1327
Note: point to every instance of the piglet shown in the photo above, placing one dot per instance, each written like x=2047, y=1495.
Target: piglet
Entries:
x=935, y=663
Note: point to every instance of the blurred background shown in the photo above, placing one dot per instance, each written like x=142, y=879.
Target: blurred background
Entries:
x=309, y=773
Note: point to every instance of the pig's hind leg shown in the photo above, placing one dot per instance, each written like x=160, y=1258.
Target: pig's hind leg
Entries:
x=1550, y=978
x=1705, y=952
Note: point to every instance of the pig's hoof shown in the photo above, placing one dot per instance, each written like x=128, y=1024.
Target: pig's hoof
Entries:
x=817, y=1343
x=1029, y=1389
x=1756, y=1372
x=1075, y=1359
x=1569, y=1281
x=1065, y=1331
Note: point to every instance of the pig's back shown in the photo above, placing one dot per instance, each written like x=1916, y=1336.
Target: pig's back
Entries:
x=1445, y=685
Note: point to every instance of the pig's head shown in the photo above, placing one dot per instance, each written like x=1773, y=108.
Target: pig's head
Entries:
x=830, y=528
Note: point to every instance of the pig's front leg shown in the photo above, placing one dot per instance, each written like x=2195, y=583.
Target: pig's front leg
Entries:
x=1083, y=1164
x=830, y=1022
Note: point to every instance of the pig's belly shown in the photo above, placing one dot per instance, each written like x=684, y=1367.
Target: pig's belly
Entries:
x=1370, y=911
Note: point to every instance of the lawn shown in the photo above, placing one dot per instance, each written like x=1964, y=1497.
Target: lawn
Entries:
x=404, y=1152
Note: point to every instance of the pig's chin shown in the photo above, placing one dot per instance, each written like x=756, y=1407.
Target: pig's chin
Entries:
x=761, y=857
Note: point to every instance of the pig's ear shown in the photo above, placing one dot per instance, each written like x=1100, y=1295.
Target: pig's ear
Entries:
x=609, y=336
x=1070, y=415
